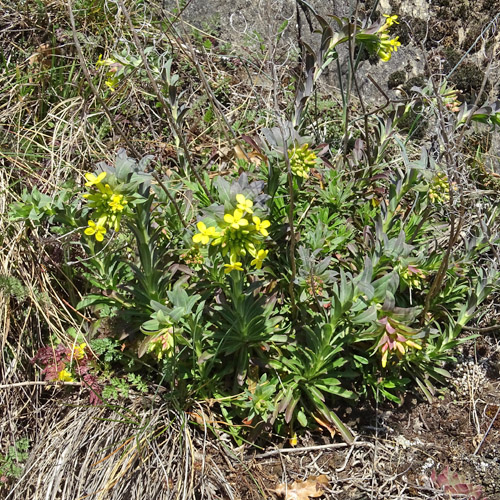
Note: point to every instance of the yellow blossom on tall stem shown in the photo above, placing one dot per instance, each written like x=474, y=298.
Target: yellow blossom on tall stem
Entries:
x=261, y=226
x=389, y=21
x=205, y=233
x=94, y=180
x=236, y=220
x=243, y=204
x=95, y=229
x=234, y=265
x=387, y=47
x=261, y=255
x=117, y=203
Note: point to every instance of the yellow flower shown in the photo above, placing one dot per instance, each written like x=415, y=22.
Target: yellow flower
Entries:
x=234, y=265
x=117, y=202
x=104, y=62
x=65, y=376
x=112, y=83
x=261, y=226
x=79, y=351
x=93, y=180
x=394, y=340
x=387, y=47
x=301, y=160
x=204, y=234
x=243, y=204
x=261, y=255
x=390, y=20
x=236, y=220
x=96, y=229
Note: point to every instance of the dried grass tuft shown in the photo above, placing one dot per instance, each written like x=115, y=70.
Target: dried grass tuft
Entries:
x=109, y=453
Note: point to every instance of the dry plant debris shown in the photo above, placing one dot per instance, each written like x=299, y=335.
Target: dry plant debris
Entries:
x=312, y=487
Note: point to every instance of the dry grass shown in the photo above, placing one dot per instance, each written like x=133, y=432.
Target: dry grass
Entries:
x=104, y=453
x=144, y=450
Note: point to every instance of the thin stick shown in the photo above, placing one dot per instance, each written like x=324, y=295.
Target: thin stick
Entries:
x=39, y=382
x=312, y=448
x=485, y=329
x=487, y=432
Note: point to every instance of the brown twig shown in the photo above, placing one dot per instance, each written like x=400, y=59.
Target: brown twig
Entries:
x=304, y=449
x=39, y=382
x=486, y=329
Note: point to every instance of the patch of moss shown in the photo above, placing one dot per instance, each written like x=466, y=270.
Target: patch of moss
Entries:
x=415, y=81
x=397, y=78
x=471, y=35
x=468, y=78
x=410, y=29
x=451, y=58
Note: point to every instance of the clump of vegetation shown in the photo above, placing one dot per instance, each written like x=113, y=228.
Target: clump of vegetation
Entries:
x=11, y=463
x=304, y=267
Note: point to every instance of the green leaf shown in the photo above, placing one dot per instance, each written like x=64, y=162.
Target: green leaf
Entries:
x=302, y=419
x=361, y=359
x=367, y=316
x=92, y=300
x=150, y=327
x=390, y=396
x=330, y=381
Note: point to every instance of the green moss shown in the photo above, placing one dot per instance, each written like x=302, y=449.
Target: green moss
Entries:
x=471, y=35
x=451, y=58
x=415, y=81
x=410, y=29
x=397, y=78
x=468, y=78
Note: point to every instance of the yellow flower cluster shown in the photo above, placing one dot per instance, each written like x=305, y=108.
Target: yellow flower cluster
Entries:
x=77, y=353
x=395, y=339
x=113, y=67
x=239, y=234
x=65, y=376
x=387, y=45
x=389, y=21
x=413, y=276
x=107, y=204
x=301, y=160
x=439, y=189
